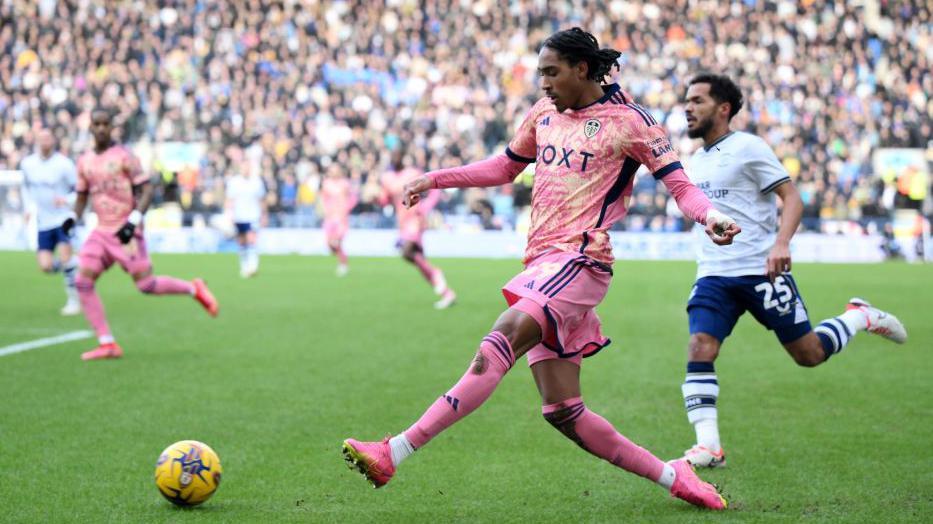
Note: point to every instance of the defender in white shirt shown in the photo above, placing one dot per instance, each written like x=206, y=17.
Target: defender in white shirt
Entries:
x=741, y=176
x=49, y=181
x=246, y=194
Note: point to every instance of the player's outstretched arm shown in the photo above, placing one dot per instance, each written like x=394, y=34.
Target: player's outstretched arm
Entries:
x=414, y=189
x=779, y=259
x=694, y=204
x=494, y=171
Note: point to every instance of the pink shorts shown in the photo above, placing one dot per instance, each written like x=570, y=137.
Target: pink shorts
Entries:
x=335, y=230
x=410, y=229
x=410, y=234
x=102, y=249
x=560, y=291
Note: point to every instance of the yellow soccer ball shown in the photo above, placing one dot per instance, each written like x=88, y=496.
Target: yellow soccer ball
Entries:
x=188, y=472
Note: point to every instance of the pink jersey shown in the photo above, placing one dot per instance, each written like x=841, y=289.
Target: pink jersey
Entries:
x=338, y=198
x=410, y=221
x=585, y=164
x=109, y=177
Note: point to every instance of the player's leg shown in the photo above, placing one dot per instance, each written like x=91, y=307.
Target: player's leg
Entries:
x=833, y=334
x=413, y=252
x=241, y=230
x=809, y=350
x=513, y=334
x=558, y=383
x=94, y=260
x=336, y=247
x=334, y=231
x=701, y=392
x=45, y=259
x=252, y=254
x=45, y=256
x=712, y=312
x=134, y=259
x=779, y=306
x=150, y=284
x=94, y=312
x=69, y=267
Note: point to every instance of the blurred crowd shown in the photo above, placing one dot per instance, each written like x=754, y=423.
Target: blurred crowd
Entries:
x=292, y=88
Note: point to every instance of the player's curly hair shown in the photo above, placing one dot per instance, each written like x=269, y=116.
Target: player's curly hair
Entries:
x=576, y=45
x=722, y=89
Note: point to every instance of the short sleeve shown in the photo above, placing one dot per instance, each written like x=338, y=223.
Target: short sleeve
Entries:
x=650, y=146
x=764, y=167
x=523, y=147
x=134, y=169
x=81, y=184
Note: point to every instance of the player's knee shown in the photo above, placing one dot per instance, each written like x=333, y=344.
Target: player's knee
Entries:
x=146, y=284
x=563, y=418
x=809, y=359
x=521, y=330
x=703, y=348
x=46, y=267
x=84, y=283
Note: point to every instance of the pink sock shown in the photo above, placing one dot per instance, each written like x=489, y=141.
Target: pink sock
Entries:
x=164, y=286
x=427, y=270
x=92, y=306
x=492, y=362
x=596, y=435
x=341, y=256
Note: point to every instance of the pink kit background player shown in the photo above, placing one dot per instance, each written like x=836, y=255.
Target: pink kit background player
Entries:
x=338, y=199
x=109, y=177
x=411, y=221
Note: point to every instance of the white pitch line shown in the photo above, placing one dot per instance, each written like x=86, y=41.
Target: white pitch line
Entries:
x=42, y=342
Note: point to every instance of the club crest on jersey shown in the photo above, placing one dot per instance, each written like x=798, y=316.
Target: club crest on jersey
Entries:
x=591, y=127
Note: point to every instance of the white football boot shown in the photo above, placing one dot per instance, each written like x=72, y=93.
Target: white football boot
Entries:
x=703, y=457
x=71, y=308
x=880, y=322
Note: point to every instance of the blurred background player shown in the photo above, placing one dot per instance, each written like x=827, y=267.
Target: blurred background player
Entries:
x=246, y=194
x=49, y=180
x=412, y=223
x=337, y=198
x=120, y=191
x=587, y=141
x=741, y=174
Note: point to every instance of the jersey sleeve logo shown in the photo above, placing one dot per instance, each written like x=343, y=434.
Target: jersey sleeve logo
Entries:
x=591, y=127
x=660, y=147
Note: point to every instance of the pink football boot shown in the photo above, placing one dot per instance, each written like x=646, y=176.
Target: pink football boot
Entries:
x=688, y=486
x=109, y=350
x=372, y=459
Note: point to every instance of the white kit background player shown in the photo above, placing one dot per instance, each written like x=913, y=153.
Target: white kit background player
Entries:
x=246, y=194
x=741, y=175
x=49, y=179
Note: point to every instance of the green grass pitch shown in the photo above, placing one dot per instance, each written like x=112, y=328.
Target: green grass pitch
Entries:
x=299, y=360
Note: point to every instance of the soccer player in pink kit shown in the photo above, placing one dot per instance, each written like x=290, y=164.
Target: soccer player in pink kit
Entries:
x=112, y=176
x=338, y=198
x=411, y=225
x=587, y=141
